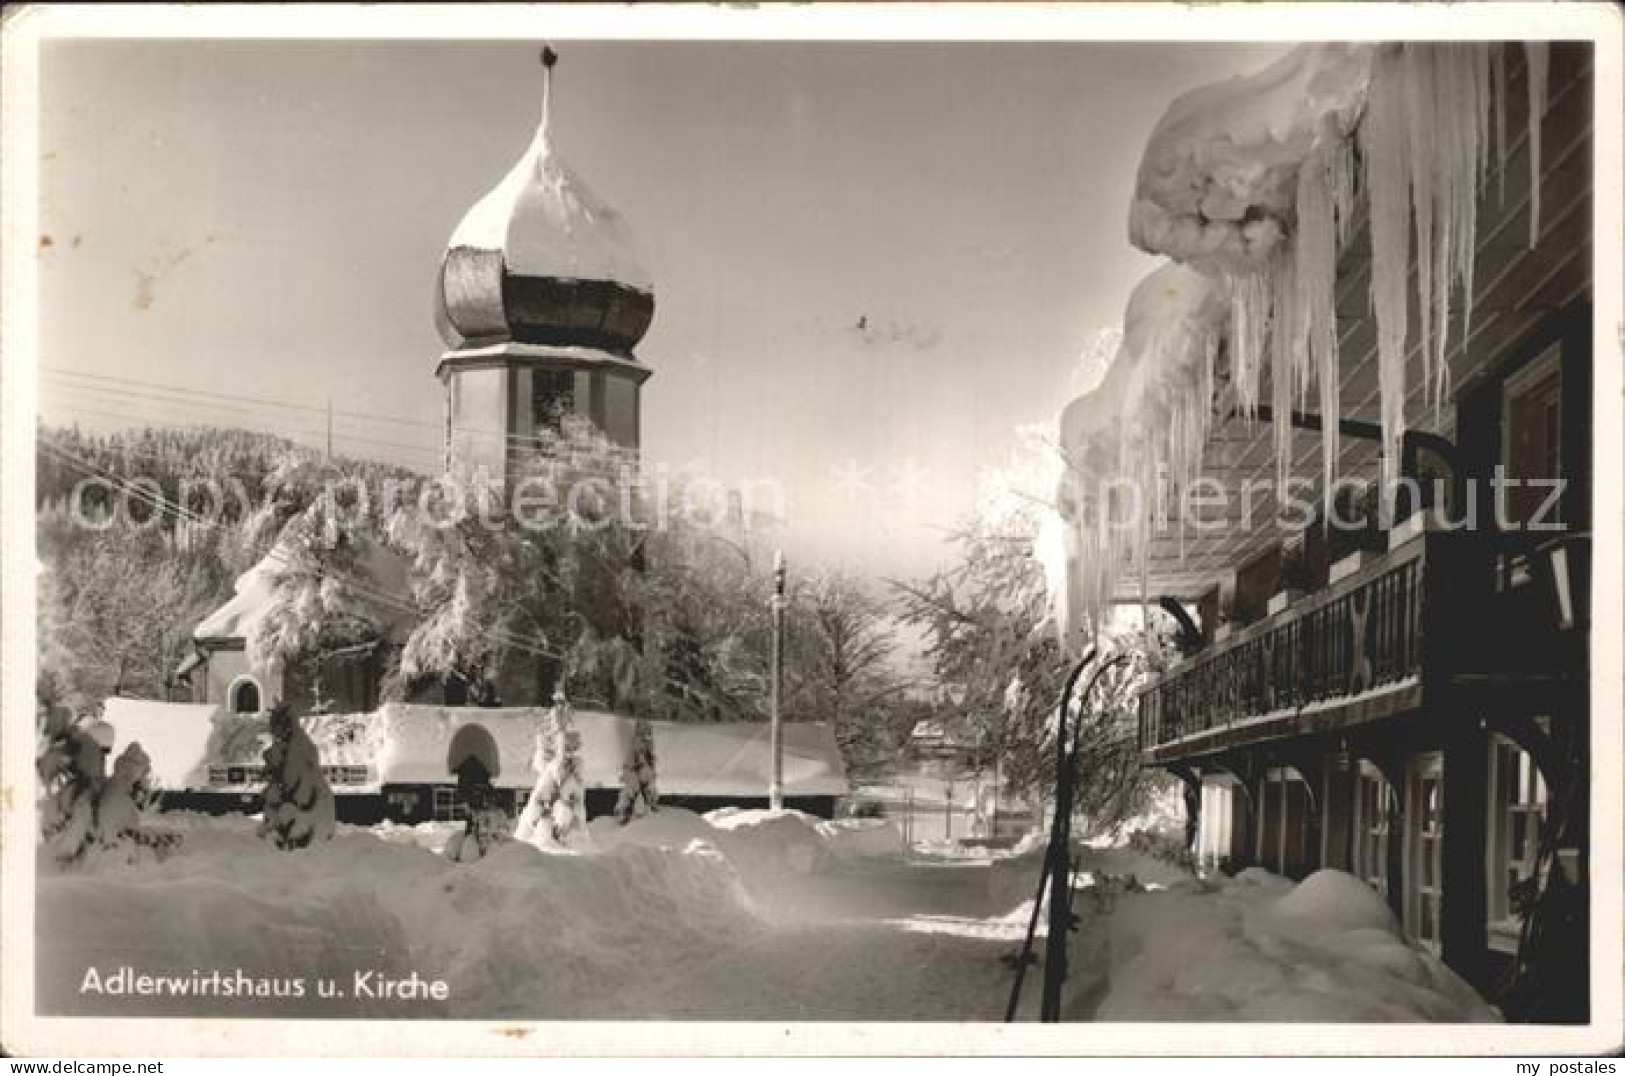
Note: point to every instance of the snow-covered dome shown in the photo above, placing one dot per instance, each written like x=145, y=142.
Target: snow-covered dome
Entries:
x=540, y=260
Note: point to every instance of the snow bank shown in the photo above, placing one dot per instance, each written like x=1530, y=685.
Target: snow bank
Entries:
x=767, y=843
x=673, y=828
x=518, y=933
x=1260, y=949
x=864, y=838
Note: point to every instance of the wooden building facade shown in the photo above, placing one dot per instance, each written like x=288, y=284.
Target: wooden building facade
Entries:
x=1410, y=703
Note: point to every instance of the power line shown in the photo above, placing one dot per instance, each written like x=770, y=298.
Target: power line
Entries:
x=366, y=590
x=268, y=425
x=530, y=440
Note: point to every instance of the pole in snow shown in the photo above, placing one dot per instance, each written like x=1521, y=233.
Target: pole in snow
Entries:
x=775, y=790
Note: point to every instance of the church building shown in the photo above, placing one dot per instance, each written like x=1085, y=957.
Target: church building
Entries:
x=541, y=299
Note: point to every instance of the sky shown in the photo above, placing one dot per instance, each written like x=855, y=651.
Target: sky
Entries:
x=873, y=262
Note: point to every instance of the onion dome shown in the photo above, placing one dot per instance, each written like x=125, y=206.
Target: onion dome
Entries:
x=540, y=260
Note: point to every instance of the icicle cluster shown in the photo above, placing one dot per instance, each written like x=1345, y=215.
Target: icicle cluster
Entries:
x=1134, y=442
x=1284, y=315
x=1252, y=182
x=1225, y=156
x=1537, y=57
x=1426, y=144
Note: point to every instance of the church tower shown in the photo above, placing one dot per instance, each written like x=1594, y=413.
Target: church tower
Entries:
x=541, y=300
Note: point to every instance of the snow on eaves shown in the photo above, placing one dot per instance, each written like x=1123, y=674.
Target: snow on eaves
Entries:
x=382, y=570
x=1218, y=179
x=1142, y=426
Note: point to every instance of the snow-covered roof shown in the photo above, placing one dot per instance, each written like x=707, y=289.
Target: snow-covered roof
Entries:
x=540, y=259
x=381, y=569
x=1218, y=179
x=411, y=744
x=176, y=736
x=547, y=223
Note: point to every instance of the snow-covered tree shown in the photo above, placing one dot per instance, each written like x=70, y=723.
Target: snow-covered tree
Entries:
x=502, y=582
x=122, y=809
x=71, y=762
x=840, y=667
x=315, y=600
x=639, y=796
x=84, y=811
x=298, y=802
x=556, y=813
x=988, y=631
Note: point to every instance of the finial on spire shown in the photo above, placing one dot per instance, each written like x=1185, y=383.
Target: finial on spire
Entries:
x=549, y=58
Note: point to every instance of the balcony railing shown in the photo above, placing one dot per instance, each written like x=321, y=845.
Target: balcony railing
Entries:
x=1355, y=638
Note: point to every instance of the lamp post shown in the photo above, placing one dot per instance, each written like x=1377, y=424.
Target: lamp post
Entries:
x=775, y=789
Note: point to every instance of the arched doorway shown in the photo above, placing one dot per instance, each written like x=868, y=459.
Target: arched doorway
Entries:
x=474, y=761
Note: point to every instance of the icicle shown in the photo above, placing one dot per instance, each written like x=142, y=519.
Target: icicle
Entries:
x=1465, y=109
x=1421, y=114
x=1340, y=161
x=1284, y=355
x=1498, y=76
x=1249, y=325
x=1385, y=146
x=1320, y=186
x=1537, y=55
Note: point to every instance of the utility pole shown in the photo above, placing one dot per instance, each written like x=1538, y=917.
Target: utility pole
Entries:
x=775, y=790
x=330, y=427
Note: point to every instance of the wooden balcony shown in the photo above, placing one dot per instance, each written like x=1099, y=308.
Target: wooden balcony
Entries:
x=1443, y=612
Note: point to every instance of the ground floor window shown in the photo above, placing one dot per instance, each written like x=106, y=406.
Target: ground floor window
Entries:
x=1285, y=824
x=1373, y=812
x=449, y=806
x=1214, y=842
x=1424, y=842
x=1518, y=798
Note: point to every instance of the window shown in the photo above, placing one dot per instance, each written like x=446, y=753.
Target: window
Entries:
x=449, y=806
x=1518, y=799
x=1285, y=825
x=552, y=396
x=1424, y=842
x=243, y=697
x=1217, y=826
x=1532, y=437
x=1373, y=803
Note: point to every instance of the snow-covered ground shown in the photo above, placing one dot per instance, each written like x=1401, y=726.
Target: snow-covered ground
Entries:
x=742, y=915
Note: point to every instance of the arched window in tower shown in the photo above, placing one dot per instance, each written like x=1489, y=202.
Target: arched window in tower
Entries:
x=552, y=396
x=244, y=695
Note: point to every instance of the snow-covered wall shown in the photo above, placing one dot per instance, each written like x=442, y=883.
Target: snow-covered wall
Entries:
x=402, y=743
